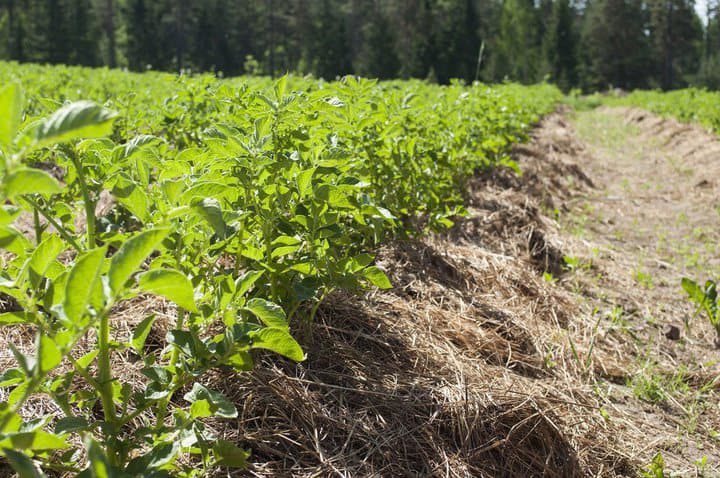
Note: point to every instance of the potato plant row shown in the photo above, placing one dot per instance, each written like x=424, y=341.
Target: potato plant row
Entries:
x=690, y=105
x=241, y=202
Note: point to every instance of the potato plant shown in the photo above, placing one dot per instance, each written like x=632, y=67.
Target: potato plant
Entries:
x=241, y=204
x=705, y=298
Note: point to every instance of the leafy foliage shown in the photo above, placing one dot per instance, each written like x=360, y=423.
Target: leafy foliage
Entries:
x=241, y=202
x=706, y=299
x=691, y=105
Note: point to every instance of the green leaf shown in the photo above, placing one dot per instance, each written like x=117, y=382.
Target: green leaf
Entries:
x=23, y=465
x=252, y=253
x=82, y=119
x=278, y=340
x=13, y=241
x=71, y=425
x=245, y=282
x=284, y=251
x=280, y=86
x=26, y=362
x=304, y=182
x=141, y=332
x=131, y=255
x=7, y=318
x=12, y=102
x=132, y=196
x=209, y=210
x=202, y=409
x=183, y=340
x=87, y=359
x=223, y=407
x=711, y=290
x=162, y=454
x=30, y=181
x=99, y=465
x=8, y=214
x=50, y=354
x=43, y=256
x=241, y=361
x=228, y=454
x=269, y=313
x=82, y=281
x=171, y=284
x=207, y=190
x=9, y=377
x=135, y=144
x=693, y=290
x=154, y=464
x=377, y=277
x=35, y=440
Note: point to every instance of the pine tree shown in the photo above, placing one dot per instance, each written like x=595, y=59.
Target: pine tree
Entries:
x=676, y=34
x=559, y=45
x=378, y=57
x=143, y=45
x=330, y=42
x=516, y=54
x=83, y=33
x=615, y=50
x=455, y=41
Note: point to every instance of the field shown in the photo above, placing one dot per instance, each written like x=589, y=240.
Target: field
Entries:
x=293, y=277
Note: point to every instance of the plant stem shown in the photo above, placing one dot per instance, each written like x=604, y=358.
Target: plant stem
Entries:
x=87, y=200
x=84, y=373
x=38, y=227
x=165, y=402
x=175, y=355
x=61, y=230
x=105, y=378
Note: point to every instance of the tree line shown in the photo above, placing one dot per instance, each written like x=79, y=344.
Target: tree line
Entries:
x=588, y=44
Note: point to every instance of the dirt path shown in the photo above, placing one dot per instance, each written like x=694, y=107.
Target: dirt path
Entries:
x=651, y=219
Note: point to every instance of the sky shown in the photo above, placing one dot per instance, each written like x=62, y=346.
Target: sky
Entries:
x=700, y=6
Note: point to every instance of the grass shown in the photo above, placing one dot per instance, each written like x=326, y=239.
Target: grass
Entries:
x=596, y=127
x=666, y=375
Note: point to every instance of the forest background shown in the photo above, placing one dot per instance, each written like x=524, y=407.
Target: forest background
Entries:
x=592, y=45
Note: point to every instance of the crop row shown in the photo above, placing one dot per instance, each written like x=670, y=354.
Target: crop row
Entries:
x=691, y=105
x=243, y=202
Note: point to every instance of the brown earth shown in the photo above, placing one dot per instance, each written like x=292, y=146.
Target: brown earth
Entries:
x=530, y=340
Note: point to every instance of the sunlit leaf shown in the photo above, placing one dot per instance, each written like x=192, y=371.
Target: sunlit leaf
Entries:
x=12, y=102
x=228, y=454
x=84, y=277
x=30, y=181
x=81, y=119
x=171, y=284
x=223, y=408
x=278, y=340
x=269, y=313
x=377, y=277
x=131, y=255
